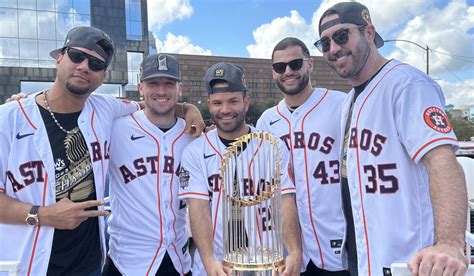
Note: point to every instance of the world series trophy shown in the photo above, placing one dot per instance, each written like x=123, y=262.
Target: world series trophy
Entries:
x=251, y=205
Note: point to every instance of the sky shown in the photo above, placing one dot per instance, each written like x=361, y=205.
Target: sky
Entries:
x=251, y=28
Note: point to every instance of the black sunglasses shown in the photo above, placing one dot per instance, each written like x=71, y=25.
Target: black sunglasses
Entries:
x=78, y=56
x=295, y=65
x=340, y=37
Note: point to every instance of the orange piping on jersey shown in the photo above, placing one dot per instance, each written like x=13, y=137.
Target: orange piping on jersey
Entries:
x=220, y=188
x=307, y=179
x=180, y=262
x=97, y=140
x=291, y=143
x=26, y=115
x=288, y=189
x=38, y=228
x=157, y=189
x=367, y=246
x=250, y=178
x=171, y=201
x=429, y=143
x=194, y=193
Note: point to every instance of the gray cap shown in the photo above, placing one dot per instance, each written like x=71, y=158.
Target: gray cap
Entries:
x=90, y=38
x=160, y=65
x=349, y=12
x=233, y=74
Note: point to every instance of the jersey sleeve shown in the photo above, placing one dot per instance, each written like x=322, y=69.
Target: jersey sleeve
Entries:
x=192, y=178
x=4, y=149
x=262, y=122
x=287, y=183
x=421, y=120
x=122, y=107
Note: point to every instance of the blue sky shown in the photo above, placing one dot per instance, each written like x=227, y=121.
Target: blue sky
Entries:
x=250, y=28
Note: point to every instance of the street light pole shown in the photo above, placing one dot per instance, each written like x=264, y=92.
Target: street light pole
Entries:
x=427, y=49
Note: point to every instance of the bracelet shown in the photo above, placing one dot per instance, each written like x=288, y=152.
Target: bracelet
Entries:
x=182, y=108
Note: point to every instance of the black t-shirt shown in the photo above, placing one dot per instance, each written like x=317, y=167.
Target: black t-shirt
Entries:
x=77, y=251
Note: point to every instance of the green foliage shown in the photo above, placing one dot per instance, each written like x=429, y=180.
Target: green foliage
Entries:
x=463, y=129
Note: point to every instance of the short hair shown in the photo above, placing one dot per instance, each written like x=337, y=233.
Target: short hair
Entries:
x=289, y=42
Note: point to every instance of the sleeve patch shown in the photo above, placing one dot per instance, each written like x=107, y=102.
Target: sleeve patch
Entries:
x=436, y=119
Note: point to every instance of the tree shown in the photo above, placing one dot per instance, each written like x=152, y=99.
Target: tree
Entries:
x=463, y=129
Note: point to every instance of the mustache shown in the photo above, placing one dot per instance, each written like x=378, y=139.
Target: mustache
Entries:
x=339, y=54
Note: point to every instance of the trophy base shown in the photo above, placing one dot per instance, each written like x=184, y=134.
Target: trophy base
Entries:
x=252, y=261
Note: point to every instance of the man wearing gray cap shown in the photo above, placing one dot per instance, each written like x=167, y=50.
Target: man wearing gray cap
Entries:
x=402, y=188
x=147, y=226
x=54, y=150
x=199, y=174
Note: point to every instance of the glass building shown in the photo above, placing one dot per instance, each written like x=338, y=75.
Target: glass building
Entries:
x=32, y=28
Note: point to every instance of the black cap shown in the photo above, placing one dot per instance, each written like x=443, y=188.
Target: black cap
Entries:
x=160, y=65
x=90, y=38
x=233, y=74
x=349, y=12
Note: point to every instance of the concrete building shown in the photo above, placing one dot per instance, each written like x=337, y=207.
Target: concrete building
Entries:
x=32, y=28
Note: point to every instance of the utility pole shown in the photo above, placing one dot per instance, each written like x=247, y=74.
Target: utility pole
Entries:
x=427, y=49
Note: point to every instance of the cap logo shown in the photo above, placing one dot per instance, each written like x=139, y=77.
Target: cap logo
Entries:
x=106, y=36
x=219, y=73
x=162, y=66
x=366, y=16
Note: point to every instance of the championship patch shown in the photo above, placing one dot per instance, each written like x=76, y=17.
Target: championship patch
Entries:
x=183, y=178
x=436, y=119
x=219, y=73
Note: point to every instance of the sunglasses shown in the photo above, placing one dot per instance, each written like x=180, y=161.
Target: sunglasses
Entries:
x=295, y=65
x=340, y=37
x=78, y=56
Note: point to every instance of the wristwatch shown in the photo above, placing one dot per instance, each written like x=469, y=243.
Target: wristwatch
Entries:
x=32, y=218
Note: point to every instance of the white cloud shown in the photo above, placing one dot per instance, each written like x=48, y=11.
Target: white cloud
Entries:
x=444, y=30
x=179, y=44
x=458, y=93
x=267, y=35
x=162, y=12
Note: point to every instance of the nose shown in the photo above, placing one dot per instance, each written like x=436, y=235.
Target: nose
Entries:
x=333, y=47
x=225, y=108
x=84, y=65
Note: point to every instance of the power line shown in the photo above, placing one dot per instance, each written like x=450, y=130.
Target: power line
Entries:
x=450, y=71
x=451, y=55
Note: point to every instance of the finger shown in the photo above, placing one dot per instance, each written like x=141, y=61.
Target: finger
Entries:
x=95, y=213
x=90, y=203
x=414, y=264
x=426, y=266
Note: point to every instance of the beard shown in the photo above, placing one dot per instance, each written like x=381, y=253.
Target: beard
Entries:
x=238, y=123
x=360, y=55
x=301, y=86
x=77, y=90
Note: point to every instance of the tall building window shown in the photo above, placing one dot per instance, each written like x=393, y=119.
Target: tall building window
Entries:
x=133, y=17
x=32, y=28
x=134, y=59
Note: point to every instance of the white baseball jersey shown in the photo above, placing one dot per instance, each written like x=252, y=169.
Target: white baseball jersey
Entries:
x=199, y=177
x=147, y=218
x=312, y=134
x=27, y=171
x=395, y=121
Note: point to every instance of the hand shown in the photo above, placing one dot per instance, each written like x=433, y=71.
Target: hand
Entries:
x=16, y=97
x=291, y=267
x=215, y=268
x=66, y=214
x=440, y=259
x=194, y=122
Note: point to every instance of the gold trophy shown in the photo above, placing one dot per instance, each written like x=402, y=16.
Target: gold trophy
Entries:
x=251, y=207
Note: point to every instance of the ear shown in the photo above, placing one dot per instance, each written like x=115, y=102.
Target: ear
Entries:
x=310, y=64
x=369, y=32
x=247, y=102
x=140, y=88
x=180, y=88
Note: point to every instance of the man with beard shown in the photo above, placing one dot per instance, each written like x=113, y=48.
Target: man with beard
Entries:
x=308, y=120
x=200, y=169
x=402, y=183
x=147, y=226
x=54, y=150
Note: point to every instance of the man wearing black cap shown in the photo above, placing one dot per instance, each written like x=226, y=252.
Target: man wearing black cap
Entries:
x=54, y=149
x=147, y=226
x=402, y=188
x=199, y=174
